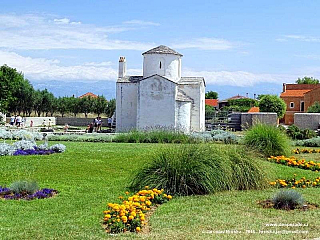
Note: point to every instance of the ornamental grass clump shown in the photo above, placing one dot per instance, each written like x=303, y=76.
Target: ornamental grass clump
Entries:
x=288, y=200
x=267, y=139
x=200, y=169
x=24, y=187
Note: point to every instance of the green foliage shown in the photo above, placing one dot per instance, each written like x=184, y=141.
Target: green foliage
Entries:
x=288, y=200
x=200, y=169
x=241, y=105
x=314, y=108
x=209, y=111
x=111, y=107
x=267, y=139
x=211, y=95
x=313, y=142
x=154, y=136
x=99, y=105
x=307, y=80
x=298, y=134
x=24, y=187
x=273, y=103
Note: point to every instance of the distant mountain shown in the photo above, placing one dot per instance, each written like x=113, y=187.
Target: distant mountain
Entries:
x=77, y=88
x=108, y=88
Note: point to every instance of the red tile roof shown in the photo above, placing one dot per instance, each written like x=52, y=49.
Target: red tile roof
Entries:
x=254, y=109
x=88, y=94
x=294, y=93
x=212, y=102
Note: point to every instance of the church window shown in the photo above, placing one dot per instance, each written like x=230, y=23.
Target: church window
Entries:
x=160, y=64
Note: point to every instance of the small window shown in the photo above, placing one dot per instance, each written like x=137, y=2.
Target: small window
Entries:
x=160, y=64
x=291, y=104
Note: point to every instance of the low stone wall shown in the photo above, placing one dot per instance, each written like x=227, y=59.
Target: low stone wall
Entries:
x=37, y=121
x=307, y=120
x=250, y=119
x=78, y=121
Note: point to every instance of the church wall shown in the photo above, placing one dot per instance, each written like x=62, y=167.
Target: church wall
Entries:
x=183, y=114
x=170, y=66
x=197, y=93
x=126, y=106
x=156, y=103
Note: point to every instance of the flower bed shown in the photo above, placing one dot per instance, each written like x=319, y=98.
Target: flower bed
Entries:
x=294, y=162
x=304, y=150
x=7, y=193
x=294, y=183
x=130, y=214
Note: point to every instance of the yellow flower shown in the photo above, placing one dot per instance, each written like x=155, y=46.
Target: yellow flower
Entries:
x=131, y=217
x=169, y=197
x=138, y=229
x=124, y=219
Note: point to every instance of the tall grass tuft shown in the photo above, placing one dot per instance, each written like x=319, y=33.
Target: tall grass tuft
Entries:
x=200, y=169
x=288, y=200
x=24, y=187
x=268, y=140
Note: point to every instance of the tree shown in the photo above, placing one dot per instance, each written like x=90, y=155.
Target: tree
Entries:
x=74, y=105
x=272, y=103
x=100, y=105
x=211, y=95
x=86, y=105
x=307, y=80
x=209, y=111
x=314, y=108
x=111, y=107
x=241, y=105
x=63, y=105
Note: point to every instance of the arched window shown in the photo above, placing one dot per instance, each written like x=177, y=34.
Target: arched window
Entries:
x=160, y=64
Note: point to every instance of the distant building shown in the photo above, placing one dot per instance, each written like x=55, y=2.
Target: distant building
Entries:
x=161, y=98
x=225, y=102
x=88, y=94
x=212, y=102
x=298, y=98
x=254, y=110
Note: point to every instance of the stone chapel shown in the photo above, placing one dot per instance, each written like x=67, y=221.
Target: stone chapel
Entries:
x=161, y=98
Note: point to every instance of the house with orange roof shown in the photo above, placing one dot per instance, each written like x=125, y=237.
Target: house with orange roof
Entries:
x=88, y=94
x=212, y=102
x=298, y=97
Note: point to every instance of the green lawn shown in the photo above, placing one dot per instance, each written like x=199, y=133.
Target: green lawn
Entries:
x=89, y=175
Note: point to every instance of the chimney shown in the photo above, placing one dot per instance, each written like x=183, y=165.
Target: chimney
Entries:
x=122, y=67
x=284, y=87
x=254, y=96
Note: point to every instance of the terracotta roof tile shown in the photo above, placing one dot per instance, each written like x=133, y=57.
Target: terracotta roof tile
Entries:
x=294, y=93
x=254, y=110
x=88, y=94
x=212, y=102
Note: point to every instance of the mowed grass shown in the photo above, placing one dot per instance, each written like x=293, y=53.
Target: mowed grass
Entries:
x=89, y=175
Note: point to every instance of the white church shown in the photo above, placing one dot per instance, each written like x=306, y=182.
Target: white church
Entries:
x=161, y=98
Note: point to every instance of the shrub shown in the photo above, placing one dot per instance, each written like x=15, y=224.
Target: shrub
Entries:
x=24, y=187
x=267, y=139
x=224, y=136
x=6, y=149
x=313, y=142
x=288, y=200
x=83, y=138
x=5, y=134
x=296, y=133
x=59, y=148
x=273, y=103
x=24, y=145
x=200, y=169
x=315, y=108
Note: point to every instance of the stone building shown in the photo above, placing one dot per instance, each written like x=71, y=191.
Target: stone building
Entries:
x=160, y=98
x=298, y=98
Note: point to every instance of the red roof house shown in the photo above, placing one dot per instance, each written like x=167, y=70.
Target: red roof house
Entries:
x=212, y=102
x=88, y=94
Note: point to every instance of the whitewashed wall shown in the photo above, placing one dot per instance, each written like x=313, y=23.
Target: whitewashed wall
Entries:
x=170, y=66
x=183, y=116
x=126, y=106
x=156, y=103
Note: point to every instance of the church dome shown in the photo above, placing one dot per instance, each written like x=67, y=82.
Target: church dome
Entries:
x=162, y=61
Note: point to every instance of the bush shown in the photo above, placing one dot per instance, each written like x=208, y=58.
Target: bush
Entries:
x=288, y=200
x=200, y=169
x=24, y=187
x=6, y=149
x=313, y=142
x=267, y=139
x=24, y=145
x=296, y=133
x=154, y=136
x=315, y=108
x=58, y=148
x=224, y=136
x=272, y=103
x=83, y=138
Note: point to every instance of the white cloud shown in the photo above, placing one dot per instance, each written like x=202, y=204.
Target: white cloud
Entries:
x=308, y=56
x=33, y=32
x=205, y=44
x=239, y=78
x=301, y=38
x=142, y=23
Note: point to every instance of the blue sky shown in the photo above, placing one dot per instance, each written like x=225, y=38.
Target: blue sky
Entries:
x=244, y=45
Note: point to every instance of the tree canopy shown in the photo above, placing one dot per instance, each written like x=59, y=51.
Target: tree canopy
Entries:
x=211, y=95
x=307, y=80
x=273, y=103
x=314, y=108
